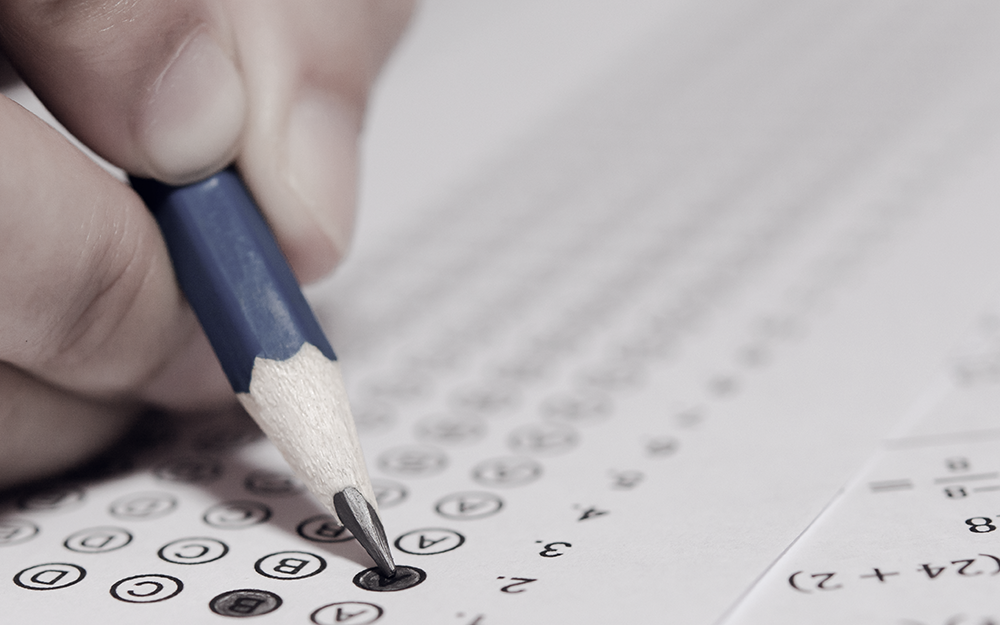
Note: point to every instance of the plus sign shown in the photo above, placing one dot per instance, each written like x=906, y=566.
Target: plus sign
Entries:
x=880, y=575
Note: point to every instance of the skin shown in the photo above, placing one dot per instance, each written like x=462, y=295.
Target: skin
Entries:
x=93, y=328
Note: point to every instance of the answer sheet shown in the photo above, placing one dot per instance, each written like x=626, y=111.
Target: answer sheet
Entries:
x=616, y=374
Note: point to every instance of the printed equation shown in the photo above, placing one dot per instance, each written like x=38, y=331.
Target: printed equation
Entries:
x=981, y=565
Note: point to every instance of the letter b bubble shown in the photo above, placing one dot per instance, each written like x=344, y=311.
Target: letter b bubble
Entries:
x=290, y=565
x=245, y=602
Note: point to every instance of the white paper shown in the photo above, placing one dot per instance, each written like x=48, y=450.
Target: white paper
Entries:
x=911, y=540
x=616, y=373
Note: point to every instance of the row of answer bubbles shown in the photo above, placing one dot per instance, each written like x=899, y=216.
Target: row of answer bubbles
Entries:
x=424, y=461
x=322, y=528
x=190, y=470
x=287, y=565
x=540, y=438
x=196, y=470
x=155, y=588
x=157, y=504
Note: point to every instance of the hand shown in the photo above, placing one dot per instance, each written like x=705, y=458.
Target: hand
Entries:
x=92, y=325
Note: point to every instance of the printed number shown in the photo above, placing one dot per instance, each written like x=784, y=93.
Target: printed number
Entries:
x=819, y=581
x=957, y=464
x=990, y=561
x=626, y=480
x=980, y=525
x=965, y=565
x=553, y=550
x=955, y=492
x=591, y=513
x=517, y=581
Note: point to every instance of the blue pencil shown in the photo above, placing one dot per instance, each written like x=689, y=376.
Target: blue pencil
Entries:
x=269, y=343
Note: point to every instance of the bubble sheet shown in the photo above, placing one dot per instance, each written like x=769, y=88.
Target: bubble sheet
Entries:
x=614, y=376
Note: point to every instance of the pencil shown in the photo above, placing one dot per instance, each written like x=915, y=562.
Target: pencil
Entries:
x=269, y=343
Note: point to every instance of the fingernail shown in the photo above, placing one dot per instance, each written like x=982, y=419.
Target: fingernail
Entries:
x=194, y=114
x=322, y=162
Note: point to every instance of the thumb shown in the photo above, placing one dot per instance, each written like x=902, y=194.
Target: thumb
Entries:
x=152, y=87
x=176, y=90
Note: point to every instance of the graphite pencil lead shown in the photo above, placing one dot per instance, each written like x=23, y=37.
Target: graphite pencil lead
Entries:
x=360, y=518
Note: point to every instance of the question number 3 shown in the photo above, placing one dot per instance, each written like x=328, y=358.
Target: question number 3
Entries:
x=553, y=550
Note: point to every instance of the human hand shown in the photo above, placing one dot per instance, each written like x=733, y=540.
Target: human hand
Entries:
x=92, y=325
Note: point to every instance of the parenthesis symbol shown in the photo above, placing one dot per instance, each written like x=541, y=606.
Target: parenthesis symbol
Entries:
x=791, y=580
x=995, y=559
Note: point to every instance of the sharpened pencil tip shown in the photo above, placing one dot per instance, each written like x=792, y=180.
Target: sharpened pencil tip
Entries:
x=358, y=516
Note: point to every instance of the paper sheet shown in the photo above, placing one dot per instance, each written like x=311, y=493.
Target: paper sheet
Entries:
x=910, y=540
x=615, y=375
